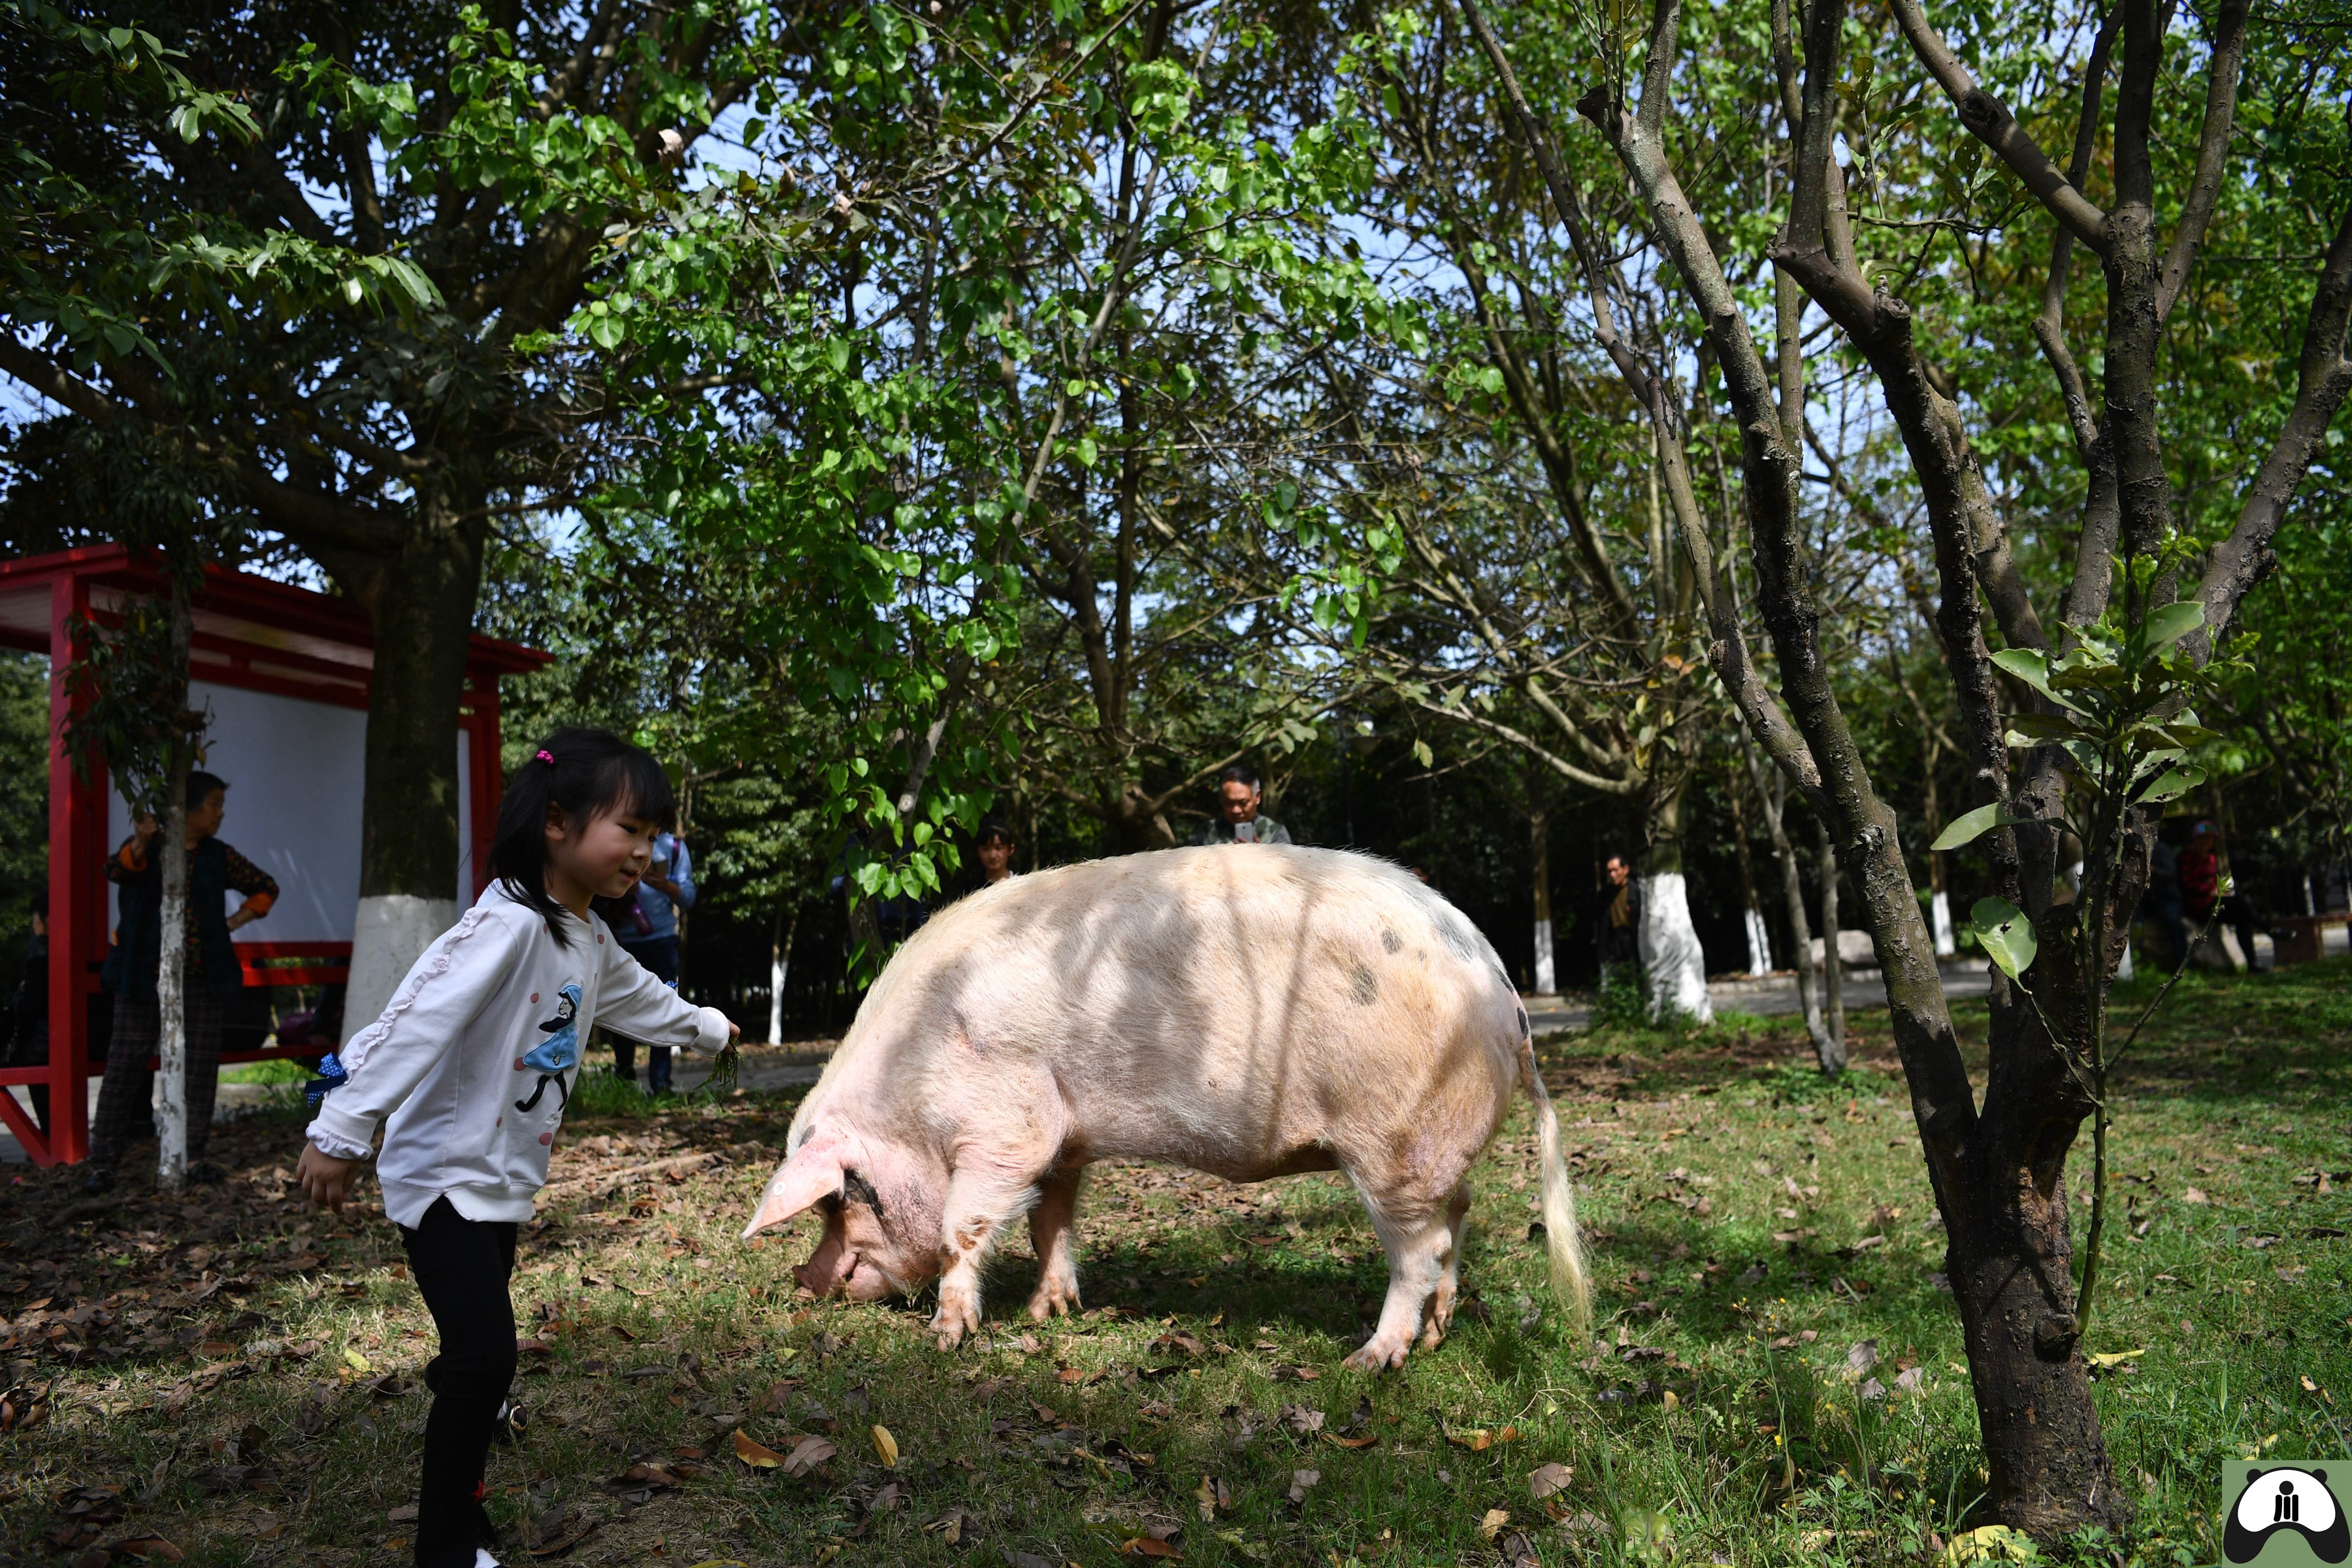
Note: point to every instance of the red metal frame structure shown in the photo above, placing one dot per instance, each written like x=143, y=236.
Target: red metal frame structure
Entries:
x=250, y=632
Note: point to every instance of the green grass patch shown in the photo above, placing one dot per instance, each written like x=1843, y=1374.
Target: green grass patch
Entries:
x=1774, y=1375
x=277, y=1070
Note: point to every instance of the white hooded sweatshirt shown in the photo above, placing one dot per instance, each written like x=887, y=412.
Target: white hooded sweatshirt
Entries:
x=474, y=1058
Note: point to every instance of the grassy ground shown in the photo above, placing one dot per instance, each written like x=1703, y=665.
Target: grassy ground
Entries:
x=1775, y=1377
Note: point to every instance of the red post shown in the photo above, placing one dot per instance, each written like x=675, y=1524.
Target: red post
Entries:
x=77, y=890
x=488, y=781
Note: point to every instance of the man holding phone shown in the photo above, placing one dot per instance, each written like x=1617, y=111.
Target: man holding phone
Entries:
x=1237, y=820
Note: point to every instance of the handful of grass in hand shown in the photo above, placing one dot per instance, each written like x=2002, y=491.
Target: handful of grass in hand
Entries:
x=726, y=1069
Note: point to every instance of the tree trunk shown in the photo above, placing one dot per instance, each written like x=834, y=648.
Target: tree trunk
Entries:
x=1136, y=821
x=1672, y=959
x=2011, y=1262
x=1759, y=938
x=422, y=600
x=1829, y=1044
x=1773, y=791
x=779, y=960
x=1940, y=901
x=172, y=966
x=1547, y=975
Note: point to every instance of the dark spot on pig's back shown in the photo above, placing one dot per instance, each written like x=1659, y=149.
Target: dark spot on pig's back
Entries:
x=1456, y=934
x=1523, y=1022
x=1391, y=942
x=1363, y=987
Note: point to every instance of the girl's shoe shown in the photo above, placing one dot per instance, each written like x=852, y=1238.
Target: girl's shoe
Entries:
x=482, y=1558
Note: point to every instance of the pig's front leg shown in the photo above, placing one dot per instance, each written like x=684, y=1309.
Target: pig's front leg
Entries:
x=1053, y=1231
x=980, y=1198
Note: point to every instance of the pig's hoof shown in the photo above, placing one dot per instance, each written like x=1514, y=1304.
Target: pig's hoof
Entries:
x=1378, y=1357
x=958, y=1315
x=1434, y=1335
x=1054, y=1299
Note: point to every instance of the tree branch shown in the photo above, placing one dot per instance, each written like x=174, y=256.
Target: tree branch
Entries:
x=1990, y=121
x=2212, y=153
x=56, y=383
x=2323, y=378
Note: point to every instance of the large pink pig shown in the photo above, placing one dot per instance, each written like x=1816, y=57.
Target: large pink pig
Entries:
x=1250, y=1011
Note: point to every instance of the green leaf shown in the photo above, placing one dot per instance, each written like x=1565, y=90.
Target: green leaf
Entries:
x=2173, y=622
x=2005, y=933
x=2172, y=785
x=1423, y=754
x=2034, y=729
x=2032, y=669
x=1975, y=825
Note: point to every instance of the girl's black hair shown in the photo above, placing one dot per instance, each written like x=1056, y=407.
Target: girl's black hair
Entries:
x=590, y=773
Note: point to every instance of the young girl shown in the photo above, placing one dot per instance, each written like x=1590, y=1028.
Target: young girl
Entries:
x=473, y=1063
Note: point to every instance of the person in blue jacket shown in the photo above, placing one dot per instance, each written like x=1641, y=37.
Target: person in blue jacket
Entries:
x=647, y=930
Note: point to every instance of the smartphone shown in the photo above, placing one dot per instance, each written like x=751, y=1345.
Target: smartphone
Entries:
x=1245, y=832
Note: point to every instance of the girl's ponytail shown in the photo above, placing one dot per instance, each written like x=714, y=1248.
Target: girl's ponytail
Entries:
x=587, y=774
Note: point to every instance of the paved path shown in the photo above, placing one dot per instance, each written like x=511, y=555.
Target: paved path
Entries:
x=1770, y=995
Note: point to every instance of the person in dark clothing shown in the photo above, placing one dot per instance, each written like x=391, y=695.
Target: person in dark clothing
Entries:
x=644, y=923
x=2199, y=868
x=212, y=975
x=1620, y=925
x=2163, y=898
x=29, y=1045
x=1238, y=819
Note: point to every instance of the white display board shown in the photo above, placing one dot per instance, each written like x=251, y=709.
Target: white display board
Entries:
x=296, y=770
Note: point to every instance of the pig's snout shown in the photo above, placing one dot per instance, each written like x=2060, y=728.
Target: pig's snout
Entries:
x=832, y=1263
x=861, y=1281
x=821, y=1274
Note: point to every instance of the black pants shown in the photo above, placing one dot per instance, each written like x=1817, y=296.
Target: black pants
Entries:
x=124, y=1097
x=31, y=1049
x=660, y=956
x=462, y=1267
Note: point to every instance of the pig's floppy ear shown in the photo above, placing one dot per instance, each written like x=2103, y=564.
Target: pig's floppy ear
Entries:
x=810, y=1177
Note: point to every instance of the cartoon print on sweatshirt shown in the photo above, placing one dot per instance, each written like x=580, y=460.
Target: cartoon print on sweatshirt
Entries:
x=559, y=1052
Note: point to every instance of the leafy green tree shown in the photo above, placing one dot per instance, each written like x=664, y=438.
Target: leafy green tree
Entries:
x=334, y=266
x=966, y=428
x=1998, y=1169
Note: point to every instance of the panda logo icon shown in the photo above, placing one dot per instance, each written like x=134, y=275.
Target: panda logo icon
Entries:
x=2286, y=1498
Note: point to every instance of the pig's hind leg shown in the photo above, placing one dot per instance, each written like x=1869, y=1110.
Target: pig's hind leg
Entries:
x=1440, y=1300
x=1053, y=1231
x=1421, y=1244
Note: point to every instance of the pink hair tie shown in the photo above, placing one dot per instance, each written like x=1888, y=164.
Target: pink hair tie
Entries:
x=547, y=757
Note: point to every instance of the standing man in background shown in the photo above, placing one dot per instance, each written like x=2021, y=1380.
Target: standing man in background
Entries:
x=1619, y=926
x=214, y=975
x=1237, y=820
x=647, y=930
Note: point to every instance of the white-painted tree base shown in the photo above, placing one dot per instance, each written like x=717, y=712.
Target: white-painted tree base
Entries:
x=1547, y=972
x=1940, y=911
x=1759, y=942
x=1670, y=949
x=390, y=932
x=776, y=974
x=2124, y=967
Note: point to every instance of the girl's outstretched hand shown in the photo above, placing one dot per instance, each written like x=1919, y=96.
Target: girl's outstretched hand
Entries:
x=325, y=1179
